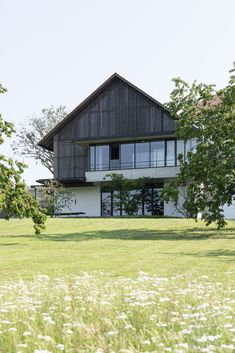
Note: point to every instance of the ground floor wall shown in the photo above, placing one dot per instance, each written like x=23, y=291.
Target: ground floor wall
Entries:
x=88, y=200
x=229, y=211
x=85, y=200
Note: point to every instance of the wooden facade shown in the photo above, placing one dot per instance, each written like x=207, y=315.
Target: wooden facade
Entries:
x=115, y=111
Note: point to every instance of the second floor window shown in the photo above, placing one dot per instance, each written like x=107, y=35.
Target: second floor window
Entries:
x=147, y=154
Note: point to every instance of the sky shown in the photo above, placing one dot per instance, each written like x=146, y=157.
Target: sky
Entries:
x=56, y=52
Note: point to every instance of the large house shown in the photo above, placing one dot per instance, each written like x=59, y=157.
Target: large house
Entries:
x=117, y=129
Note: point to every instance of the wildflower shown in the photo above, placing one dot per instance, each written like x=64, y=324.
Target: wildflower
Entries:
x=60, y=346
x=27, y=333
x=112, y=333
x=12, y=329
x=147, y=342
x=228, y=346
x=162, y=300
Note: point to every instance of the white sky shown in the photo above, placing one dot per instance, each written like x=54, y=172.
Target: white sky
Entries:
x=56, y=52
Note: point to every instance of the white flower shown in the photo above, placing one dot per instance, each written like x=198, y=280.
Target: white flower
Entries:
x=45, y=338
x=12, y=329
x=112, y=333
x=162, y=300
x=228, y=346
x=147, y=342
x=121, y=316
x=27, y=333
x=60, y=346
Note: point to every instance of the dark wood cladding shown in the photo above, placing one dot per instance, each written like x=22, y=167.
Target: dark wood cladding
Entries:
x=119, y=111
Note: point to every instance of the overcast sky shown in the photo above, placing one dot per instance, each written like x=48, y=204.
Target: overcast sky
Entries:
x=56, y=52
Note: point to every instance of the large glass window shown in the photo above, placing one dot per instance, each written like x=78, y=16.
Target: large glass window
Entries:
x=142, y=155
x=102, y=157
x=170, y=153
x=141, y=202
x=190, y=146
x=157, y=154
x=180, y=149
x=127, y=156
x=92, y=158
x=106, y=204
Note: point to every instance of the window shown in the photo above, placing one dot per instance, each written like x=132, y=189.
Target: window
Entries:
x=106, y=201
x=190, y=146
x=92, y=158
x=180, y=149
x=170, y=153
x=127, y=156
x=114, y=156
x=142, y=155
x=157, y=154
x=102, y=157
x=148, y=202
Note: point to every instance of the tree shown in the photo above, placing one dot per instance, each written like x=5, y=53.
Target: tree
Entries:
x=208, y=115
x=15, y=200
x=37, y=127
x=55, y=196
x=130, y=194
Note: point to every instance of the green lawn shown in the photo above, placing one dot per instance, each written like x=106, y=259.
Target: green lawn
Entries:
x=118, y=246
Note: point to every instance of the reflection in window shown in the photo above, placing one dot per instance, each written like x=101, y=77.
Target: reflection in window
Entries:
x=180, y=149
x=157, y=154
x=147, y=202
x=170, y=153
x=190, y=146
x=92, y=158
x=142, y=155
x=102, y=157
x=127, y=156
x=106, y=204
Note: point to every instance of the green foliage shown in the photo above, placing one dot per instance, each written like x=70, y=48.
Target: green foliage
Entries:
x=56, y=197
x=209, y=174
x=129, y=194
x=15, y=200
x=36, y=128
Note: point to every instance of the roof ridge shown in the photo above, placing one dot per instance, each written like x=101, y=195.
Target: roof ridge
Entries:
x=44, y=141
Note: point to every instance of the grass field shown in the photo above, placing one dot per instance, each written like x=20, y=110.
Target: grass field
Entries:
x=118, y=246
x=117, y=286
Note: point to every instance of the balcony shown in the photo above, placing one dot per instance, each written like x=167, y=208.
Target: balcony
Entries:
x=134, y=173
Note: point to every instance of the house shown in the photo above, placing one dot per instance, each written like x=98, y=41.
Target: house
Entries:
x=117, y=129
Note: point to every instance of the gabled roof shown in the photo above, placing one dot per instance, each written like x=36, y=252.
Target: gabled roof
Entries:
x=47, y=141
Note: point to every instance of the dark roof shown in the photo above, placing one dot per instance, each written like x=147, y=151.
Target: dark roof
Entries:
x=47, y=141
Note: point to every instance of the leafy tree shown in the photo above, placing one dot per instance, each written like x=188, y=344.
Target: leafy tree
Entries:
x=208, y=115
x=37, y=127
x=129, y=194
x=123, y=197
x=55, y=196
x=15, y=200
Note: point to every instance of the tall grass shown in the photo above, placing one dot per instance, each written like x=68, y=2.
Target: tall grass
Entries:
x=97, y=313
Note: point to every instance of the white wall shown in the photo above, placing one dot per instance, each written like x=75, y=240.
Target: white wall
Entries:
x=170, y=210
x=229, y=211
x=85, y=199
x=162, y=172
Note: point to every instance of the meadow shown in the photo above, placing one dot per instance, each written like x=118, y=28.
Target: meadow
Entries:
x=118, y=246
x=117, y=286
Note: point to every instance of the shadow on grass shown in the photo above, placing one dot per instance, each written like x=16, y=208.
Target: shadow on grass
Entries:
x=219, y=254
x=196, y=233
